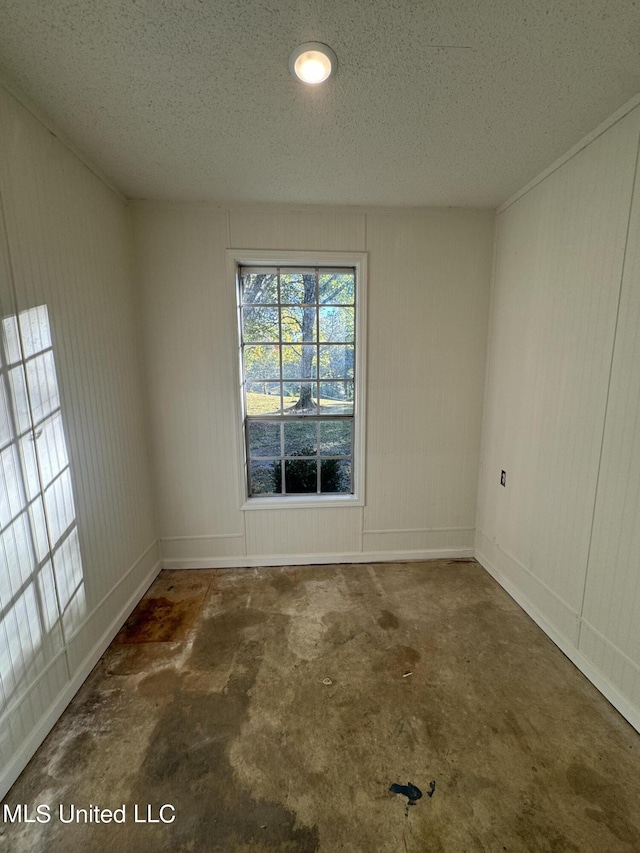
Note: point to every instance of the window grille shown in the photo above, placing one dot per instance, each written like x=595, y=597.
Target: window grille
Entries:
x=298, y=334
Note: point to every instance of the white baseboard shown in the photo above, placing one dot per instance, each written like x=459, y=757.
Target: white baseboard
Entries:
x=318, y=559
x=586, y=667
x=19, y=760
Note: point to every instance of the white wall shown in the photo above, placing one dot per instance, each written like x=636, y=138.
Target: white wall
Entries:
x=65, y=244
x=563, y=384
x=428, y=286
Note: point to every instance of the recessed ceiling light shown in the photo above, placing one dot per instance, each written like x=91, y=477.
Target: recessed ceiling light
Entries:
x=313, y=62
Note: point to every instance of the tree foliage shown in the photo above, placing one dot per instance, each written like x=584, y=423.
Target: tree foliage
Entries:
x=277, y=338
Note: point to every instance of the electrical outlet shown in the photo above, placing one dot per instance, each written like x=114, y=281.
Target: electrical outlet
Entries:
x=503, y=478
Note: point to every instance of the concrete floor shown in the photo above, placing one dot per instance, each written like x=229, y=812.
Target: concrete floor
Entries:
x=273, y=708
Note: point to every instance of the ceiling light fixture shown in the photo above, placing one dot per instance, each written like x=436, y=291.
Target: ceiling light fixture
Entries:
x=313, y=62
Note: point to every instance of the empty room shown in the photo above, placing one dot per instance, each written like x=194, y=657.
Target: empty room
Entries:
x=319, y=426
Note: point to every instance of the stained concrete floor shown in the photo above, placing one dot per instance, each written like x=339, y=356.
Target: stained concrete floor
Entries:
x=273, y=709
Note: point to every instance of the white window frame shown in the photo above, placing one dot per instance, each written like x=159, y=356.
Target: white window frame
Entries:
x=358, y=260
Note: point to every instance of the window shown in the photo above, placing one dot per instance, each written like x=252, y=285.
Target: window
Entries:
x=300, y=379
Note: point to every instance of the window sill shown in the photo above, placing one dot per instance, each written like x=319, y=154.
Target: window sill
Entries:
x=312, y=502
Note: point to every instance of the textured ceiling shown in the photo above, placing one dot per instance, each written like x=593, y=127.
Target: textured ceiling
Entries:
x=192, y=99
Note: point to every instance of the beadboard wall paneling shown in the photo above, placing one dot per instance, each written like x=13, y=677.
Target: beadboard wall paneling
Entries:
x=203, y=549
x=302, y=229
x=69, y=243
x=26, y=649
x=549, y=406
x=334, y=530
x=70, y=248
x=559, y=261
x=428, y=308
x=397, y=541
x=188, y=316
x=612, y=595
x=191, y=361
